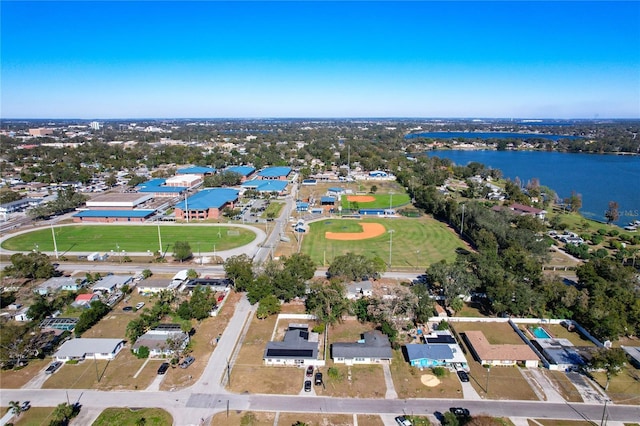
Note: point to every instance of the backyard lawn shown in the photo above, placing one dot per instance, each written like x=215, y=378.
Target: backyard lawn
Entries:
x=132, y=238
x=127, y=416
x=416, y=243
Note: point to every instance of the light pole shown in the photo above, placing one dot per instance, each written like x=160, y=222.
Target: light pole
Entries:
x=55, y=245
x=391, y=231
x=487, y=387
x=159, y=240
x=391, y=200
x=462, y=223
x=604, y=410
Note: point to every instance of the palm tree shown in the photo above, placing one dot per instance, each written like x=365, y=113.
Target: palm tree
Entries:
x=15, y=408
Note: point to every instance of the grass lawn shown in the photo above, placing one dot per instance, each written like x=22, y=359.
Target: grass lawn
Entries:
x=406, y=380
x=259, y=418
x=623, y=388
x=126, y=416
x=548, y=422
x=497, y=333
x=383, y=201
x=356, y=381
x=272, y=211
x=416, y=243
x=35, y=416
x=563, y=385
x=15, y=379
x=133, y=238
x=573, y=336
x=202, y=345
x=248, y=365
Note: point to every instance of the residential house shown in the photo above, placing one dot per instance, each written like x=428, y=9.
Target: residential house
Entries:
x=299, y=348
x=561, y=354
x=81, y=349
x=440, y=349
x=359, y=289
x=85, y=300
x=55, y=284
x=499, y=355
x=157, y=340
x=111, y=283
x=373, y=348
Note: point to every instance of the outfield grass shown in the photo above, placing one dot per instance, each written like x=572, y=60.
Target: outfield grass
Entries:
x=383, y=201
x=416, y=243
x=131, y=238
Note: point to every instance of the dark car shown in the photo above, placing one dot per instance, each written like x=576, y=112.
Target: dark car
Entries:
x=307, y=385
x=128, y=308
x=459, y=411
x=187, y=362
x=318, y=378
x=25, y=406
x=464, y=377
x=53, y=367
x=163, y=368
x=310, y=371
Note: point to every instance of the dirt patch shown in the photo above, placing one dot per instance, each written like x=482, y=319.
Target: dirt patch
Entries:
x=369, y=230
x=429, y=380
x=361, y=198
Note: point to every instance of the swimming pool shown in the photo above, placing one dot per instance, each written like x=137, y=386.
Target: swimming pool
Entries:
x=540, y=333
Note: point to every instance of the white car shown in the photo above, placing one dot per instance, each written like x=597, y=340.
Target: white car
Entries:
x=139, y=306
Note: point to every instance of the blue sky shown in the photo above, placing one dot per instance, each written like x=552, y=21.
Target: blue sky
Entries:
x=158, y=59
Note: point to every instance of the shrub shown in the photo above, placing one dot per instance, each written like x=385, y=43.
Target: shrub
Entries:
x=319, y=328
x=602, y=231
x=596, y=239
x=614, y=232
x=143, y=352
x=334, y=373
x=439, y=371
x=601, y=253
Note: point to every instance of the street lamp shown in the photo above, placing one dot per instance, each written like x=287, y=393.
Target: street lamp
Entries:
x=487, y=387
x=391, y=231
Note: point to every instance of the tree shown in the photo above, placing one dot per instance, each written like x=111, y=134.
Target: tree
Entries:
x=63, y=413
x=143, y=352
x=396, y=309
x=111, y=180
x=239, y=269
x=40, y=309
x=612, y=213
x=182, y=251
x=192, y=274
x=351, y=266
x=15, y=408
x=146, y=273
x=611, y=360
x=574, y=202
x=268, y=305
x=374, y=189
x=327, y=302
x=31, y=265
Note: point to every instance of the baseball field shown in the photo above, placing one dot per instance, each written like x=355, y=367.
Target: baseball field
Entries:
x=413, y=243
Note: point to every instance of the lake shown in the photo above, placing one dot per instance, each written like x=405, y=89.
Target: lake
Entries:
x=600, y=178
x=488, y=135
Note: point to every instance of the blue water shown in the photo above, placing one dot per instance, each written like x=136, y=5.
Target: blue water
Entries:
x=487, y=135
x=540, y=333
x=599, y=178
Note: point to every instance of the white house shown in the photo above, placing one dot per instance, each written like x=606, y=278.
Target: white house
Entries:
x=111, y=283
x=157, y=340
x=373, y=348
x=81, y=349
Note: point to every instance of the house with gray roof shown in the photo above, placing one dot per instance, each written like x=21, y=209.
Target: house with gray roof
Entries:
x=111, y=283
x=81, y=349
x=360, y=289
x=299, y=348
x=429, y=355
x=158, y=340
x=55, y=284
x=373, y=348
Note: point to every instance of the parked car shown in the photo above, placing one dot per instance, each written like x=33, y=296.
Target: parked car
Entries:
x=53, y=367
x=187, y=362
x=128, y=308
x=25, y=406
x=318, y=378
x=464, y=377
x=139, y=306
x=163, y=368
x=310, y=371
x=459, y=411
x=307, y=385
x=403, y=421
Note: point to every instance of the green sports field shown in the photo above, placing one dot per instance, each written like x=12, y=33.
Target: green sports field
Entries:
x=383, y=201
x=416, y=243
x=104, y=238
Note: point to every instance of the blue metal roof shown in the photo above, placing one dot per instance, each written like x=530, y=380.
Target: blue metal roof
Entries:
x=241, y=170
x=327, y=199
x=209, y=198
x=155, y=185
x=421, y=351
x=266, y=185
x=114, y=213
x=336, y=189
x=275, y=172
x=197, y=170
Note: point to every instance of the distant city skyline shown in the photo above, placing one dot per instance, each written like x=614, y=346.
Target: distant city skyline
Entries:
x=209, y=59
